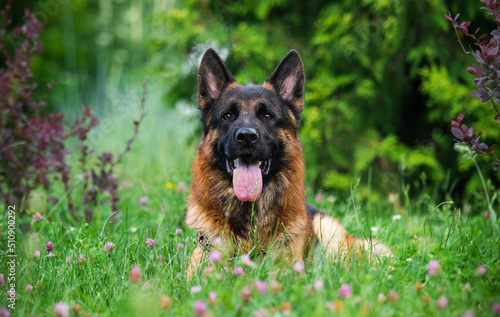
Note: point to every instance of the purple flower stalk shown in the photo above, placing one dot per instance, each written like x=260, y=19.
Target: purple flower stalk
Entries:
x=345, y=291
x=109, y=246
x=49, y=246
x=214, y=256
x=200, y=308
x=150, y=242
x=238, y=271
x=433, y=268
x=61, y=309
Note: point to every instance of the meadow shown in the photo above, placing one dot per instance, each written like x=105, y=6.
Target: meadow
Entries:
x=382, y=88
x=445, y=258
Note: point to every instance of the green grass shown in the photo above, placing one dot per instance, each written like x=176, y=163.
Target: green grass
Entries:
x=161, y=155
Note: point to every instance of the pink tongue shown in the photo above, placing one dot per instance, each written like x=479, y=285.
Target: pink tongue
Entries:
x=247, y=182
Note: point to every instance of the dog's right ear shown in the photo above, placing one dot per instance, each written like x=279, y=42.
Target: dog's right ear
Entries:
x=213, y=77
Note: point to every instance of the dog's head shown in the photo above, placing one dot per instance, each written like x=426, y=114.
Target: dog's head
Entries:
x=249, y=127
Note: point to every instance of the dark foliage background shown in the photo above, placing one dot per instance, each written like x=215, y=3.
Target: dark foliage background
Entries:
x=383, y=78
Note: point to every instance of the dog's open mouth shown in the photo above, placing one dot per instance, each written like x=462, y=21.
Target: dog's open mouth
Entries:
x=247, y=177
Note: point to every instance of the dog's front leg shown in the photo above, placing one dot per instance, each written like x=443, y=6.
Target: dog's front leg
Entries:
x=194, y=262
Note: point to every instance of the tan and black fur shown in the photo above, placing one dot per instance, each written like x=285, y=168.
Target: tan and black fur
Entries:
x=249, y=126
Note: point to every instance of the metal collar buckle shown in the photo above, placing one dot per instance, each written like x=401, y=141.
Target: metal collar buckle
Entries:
x=203, y=241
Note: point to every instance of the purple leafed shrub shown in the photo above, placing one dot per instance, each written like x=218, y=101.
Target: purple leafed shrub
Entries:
x=32, y=141
x=487, y=75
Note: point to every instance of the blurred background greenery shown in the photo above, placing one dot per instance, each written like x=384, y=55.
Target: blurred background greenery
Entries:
x=384, y=78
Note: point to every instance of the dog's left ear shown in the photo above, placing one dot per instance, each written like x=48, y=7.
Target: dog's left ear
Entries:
x=288, y=80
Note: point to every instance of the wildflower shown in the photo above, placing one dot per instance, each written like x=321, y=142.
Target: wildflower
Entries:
x=181, y=187
x=396, y=217
x=212, y=297
x=338, y=306
x=217, y=241
x=49, y=246
x=160, y=258
x=345, y=291
x=481, y=270
x=4, y=312
x=165, y=302
x=29, y=288
x=318, y=198
x=180, y=245
x=329, y=305
x=37, y=254
x=109, y=246
x=496, y=309
x=245, y=258
x=261, y=312
x=418, y=286
x=37, y=217
x=238, y=271
x=376, y=251
x=163, y=207
x=467, y=288
x=143, y=200
x=126, y=185
x=214, y=256
x=389, y=277
x=365, y=310
x=134, y=275
x=200, y=308
x=169, y=185
x=77, y=309
x=442, y=302
x=209, y=269
x=409, y=260
x=319, y=284
x=195, y=289
x=374, y=230
x=61, y=309
x=486, y=214
x=286, y=308
x=178, y=231
x=68, y=259
x=426, y=300
x=468, y=314
x=381, y=297
x=275, y=287
x=150, y=242
x=35, y=235
x=50, y=255
x=245, y=294
x=433, y=268
x=392, y=296
x=81, y=259
x=260, y=286
x=298, y=267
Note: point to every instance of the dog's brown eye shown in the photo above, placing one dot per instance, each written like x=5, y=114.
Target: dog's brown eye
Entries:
x=268, y=116
x=228, y=116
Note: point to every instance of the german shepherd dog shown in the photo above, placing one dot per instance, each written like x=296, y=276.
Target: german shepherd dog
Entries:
x=248, y=174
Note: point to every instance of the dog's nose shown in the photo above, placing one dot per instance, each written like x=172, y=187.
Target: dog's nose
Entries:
x=248, y=135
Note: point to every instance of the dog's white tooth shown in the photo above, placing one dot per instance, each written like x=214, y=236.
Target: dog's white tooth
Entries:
x=260, y=163
x=235, y=163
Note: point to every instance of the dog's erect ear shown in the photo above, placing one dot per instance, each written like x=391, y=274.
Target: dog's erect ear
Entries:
x=213, y=77
x=288, y=80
